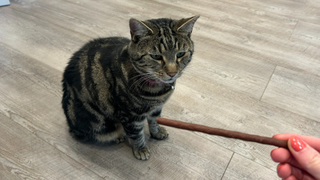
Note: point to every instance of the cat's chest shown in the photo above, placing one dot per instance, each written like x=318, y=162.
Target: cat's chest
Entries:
x=138, y=110
x=141, y=106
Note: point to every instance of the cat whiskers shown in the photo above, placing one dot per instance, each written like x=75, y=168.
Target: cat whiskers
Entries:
x=136, y=83
x=141, y=80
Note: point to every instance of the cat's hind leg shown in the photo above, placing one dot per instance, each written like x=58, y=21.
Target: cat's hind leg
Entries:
x=69, y=104
x=86, y=122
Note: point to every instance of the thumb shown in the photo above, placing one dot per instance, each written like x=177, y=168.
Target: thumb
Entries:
x=307, y=157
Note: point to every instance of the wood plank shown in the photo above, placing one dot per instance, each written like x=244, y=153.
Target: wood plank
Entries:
x=23, y=155
x=234, y=18
x=241, y=168
x=29, y=104
x=299, y=9
x=39, y=39
x=300, y=93
x=307, y=32
x=75, y=17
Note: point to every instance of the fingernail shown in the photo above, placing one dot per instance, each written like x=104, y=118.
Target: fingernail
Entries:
x=279, y=167
x=297, y=144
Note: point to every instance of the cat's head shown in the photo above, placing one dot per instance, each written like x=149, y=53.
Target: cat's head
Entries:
x=161, y=48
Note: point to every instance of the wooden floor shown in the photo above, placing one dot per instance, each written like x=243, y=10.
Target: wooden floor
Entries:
x=256, y=69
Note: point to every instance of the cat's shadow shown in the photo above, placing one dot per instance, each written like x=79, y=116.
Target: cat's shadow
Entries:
x=116, y=161
x=108, y=156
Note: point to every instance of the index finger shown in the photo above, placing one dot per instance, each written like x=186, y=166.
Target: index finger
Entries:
x=312, y=141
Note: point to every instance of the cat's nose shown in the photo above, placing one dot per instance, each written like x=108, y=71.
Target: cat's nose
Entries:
x=171, y=74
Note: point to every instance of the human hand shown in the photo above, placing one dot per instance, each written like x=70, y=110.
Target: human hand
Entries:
x=301, y=161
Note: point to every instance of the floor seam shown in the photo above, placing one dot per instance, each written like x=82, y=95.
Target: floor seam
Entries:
x=227, y=166
x=268, y=83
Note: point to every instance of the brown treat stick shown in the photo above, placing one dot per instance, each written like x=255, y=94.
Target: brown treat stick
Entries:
x=222, y=132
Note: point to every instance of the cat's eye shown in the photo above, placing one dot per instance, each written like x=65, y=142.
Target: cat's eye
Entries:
x=180, y=54
x=156, y=57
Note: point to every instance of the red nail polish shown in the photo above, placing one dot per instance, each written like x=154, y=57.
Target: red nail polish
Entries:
x=279, y=167
x=297, y=144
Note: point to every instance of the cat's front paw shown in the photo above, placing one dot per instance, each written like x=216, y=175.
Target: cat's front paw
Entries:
x=141, y=154
x=162, y=134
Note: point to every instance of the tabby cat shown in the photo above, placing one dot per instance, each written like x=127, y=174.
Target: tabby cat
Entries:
x=112, y=85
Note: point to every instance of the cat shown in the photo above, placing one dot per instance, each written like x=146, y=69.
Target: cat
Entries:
x=112, y=85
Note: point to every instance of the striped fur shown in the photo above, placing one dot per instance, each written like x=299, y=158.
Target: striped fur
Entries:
x=112, y=85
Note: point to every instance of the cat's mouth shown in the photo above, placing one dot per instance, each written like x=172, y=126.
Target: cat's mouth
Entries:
x=152, y=81
x=159, y=81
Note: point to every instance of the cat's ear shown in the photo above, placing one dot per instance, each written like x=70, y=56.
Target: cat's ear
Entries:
x=186, y=25
x=138, y=29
